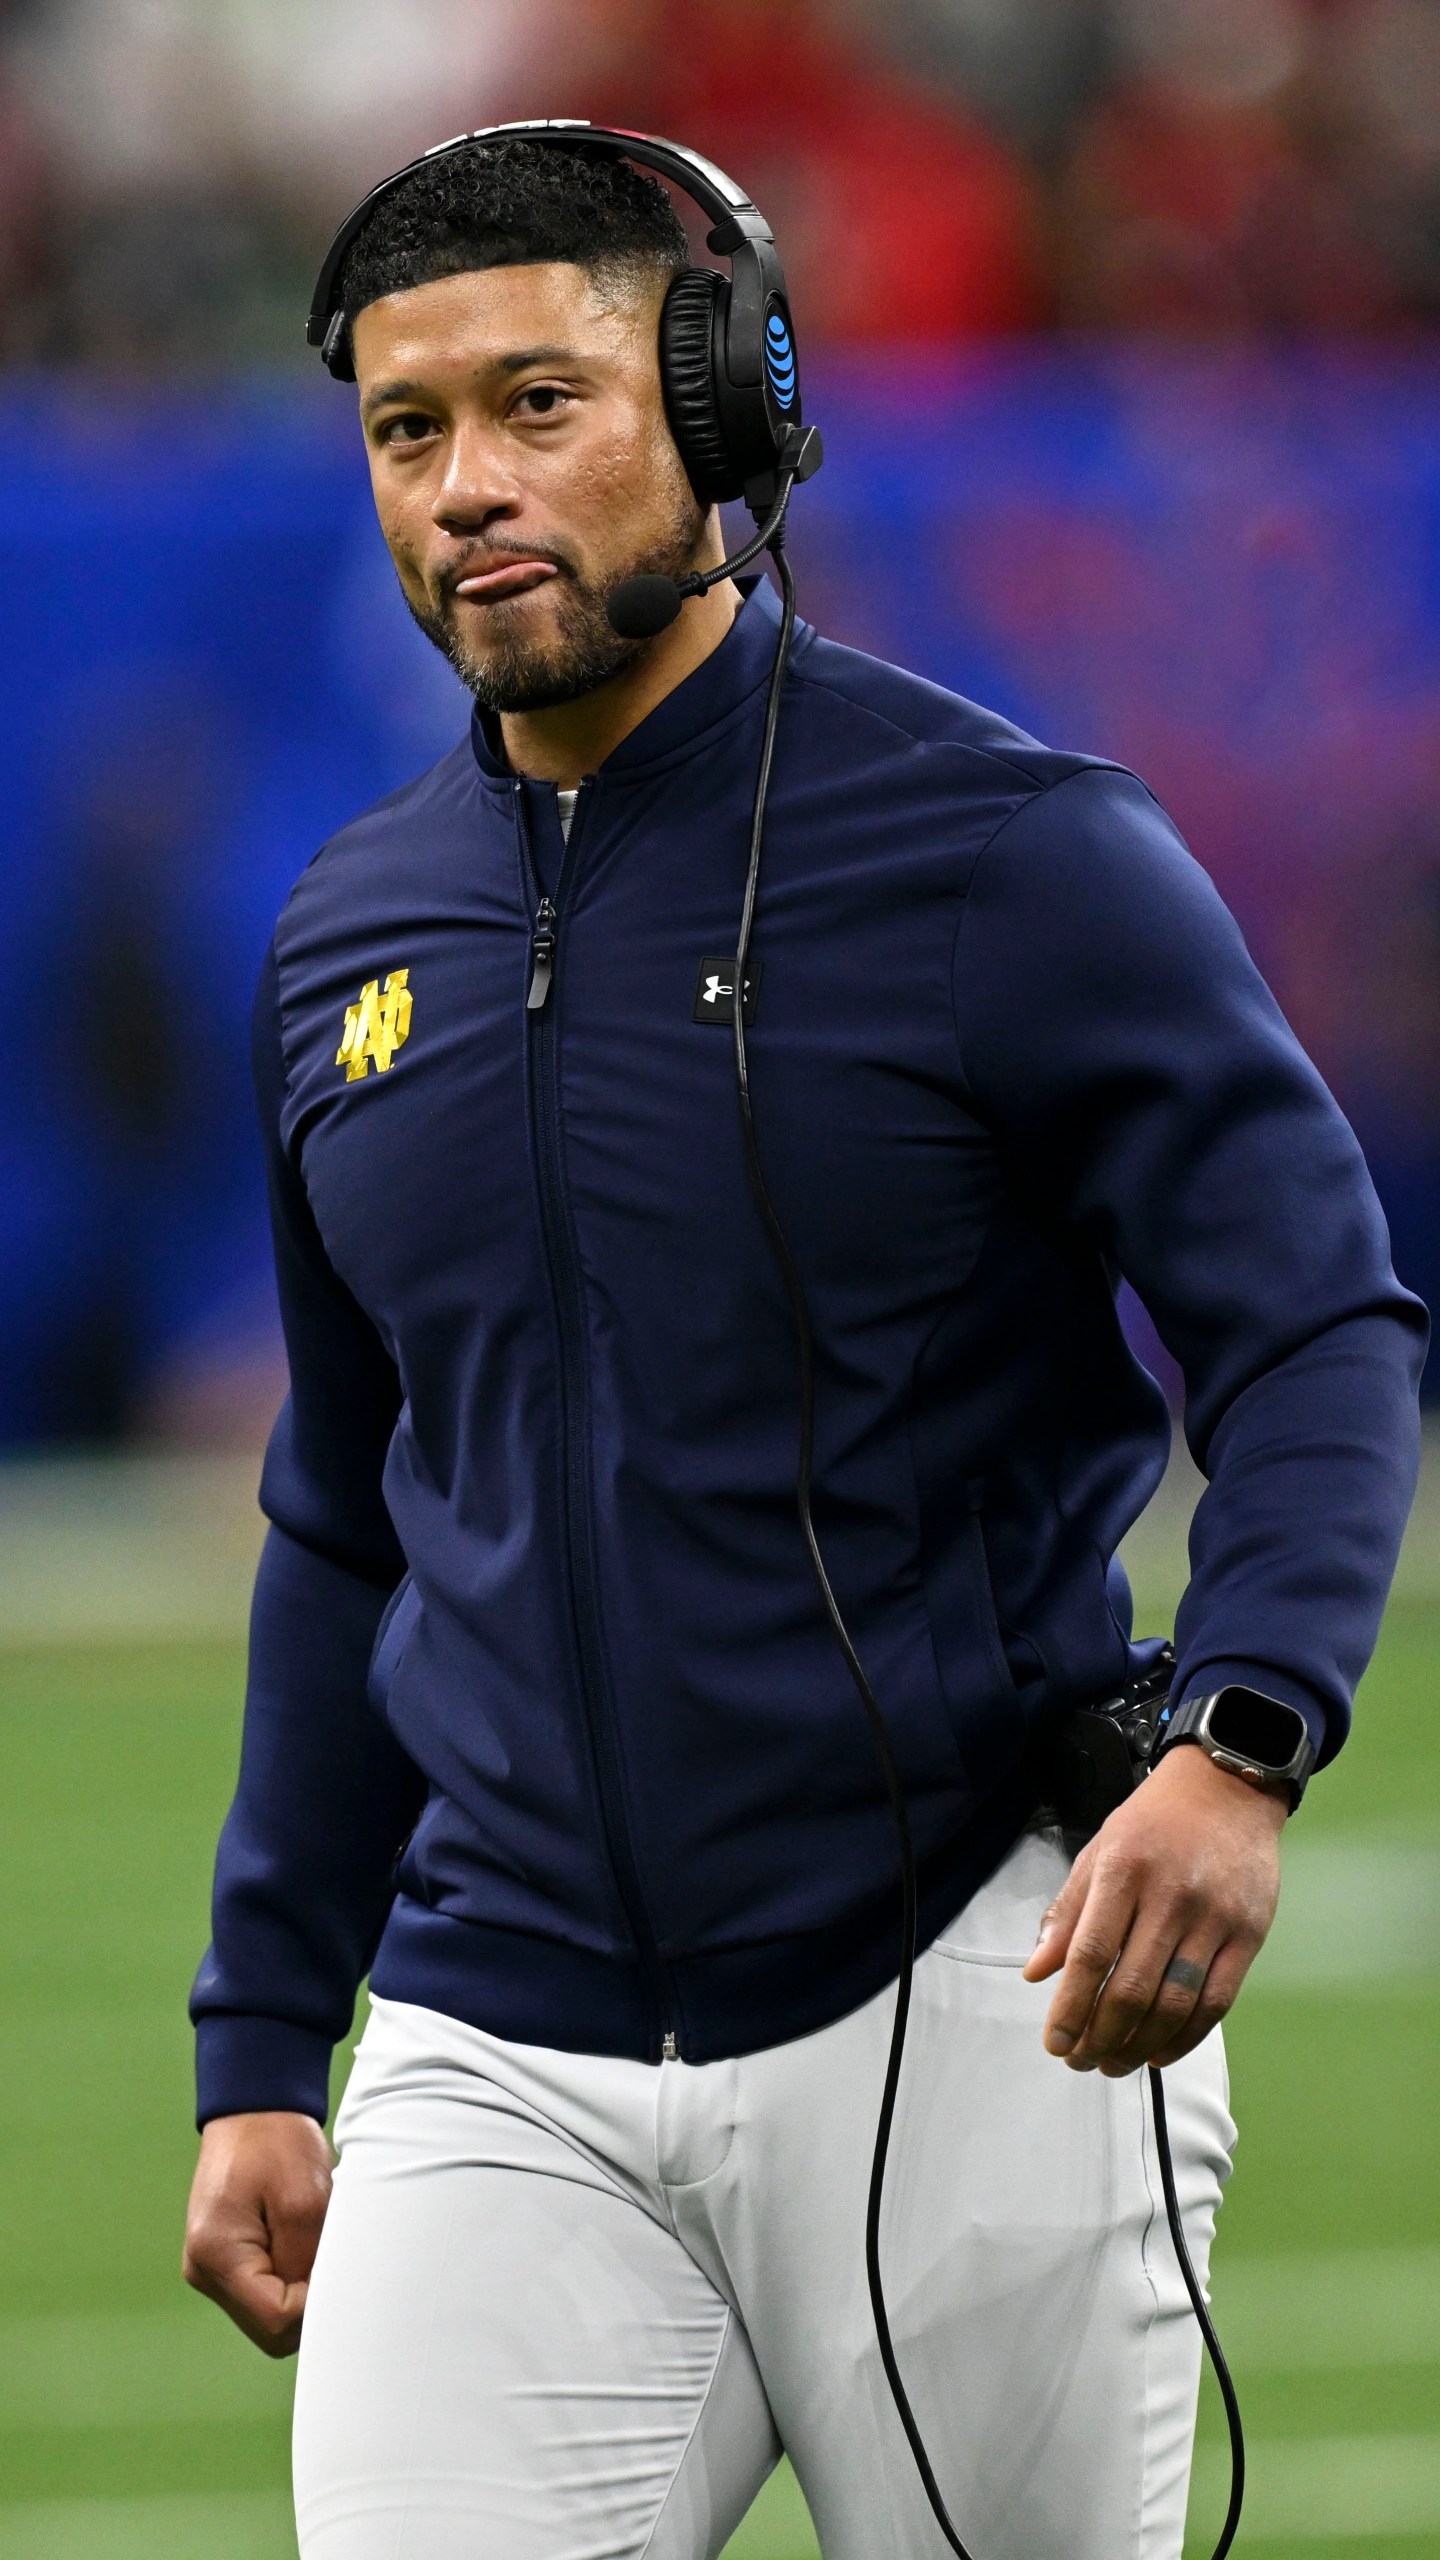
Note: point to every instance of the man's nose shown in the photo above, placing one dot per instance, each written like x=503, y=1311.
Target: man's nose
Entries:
x=477, y=487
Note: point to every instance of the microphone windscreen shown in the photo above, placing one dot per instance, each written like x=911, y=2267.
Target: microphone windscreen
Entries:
x=642, y=606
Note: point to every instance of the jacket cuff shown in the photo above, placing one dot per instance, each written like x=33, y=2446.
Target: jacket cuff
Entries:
x=1202, y=1679
x=246, y=2066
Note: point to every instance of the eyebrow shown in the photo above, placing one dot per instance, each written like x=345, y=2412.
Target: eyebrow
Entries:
x=386, y=391
x=526, y=356
x=519, y=361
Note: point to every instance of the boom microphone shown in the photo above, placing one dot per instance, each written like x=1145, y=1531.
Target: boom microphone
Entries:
x=644, y=605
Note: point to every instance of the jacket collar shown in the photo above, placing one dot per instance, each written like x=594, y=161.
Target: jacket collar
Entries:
x=721, y=682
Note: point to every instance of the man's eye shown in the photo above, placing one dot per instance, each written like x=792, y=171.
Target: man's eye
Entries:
x=411, y=427
x=542, y=400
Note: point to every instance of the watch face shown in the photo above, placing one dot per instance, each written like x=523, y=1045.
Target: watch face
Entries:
x=1259, y=1729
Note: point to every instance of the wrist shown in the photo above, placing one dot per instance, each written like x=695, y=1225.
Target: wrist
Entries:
x=1188, y=1773
x=244, y=2121
x=1262, y=1741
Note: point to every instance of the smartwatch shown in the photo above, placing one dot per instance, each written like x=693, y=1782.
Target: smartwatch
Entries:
x=1257, y=1738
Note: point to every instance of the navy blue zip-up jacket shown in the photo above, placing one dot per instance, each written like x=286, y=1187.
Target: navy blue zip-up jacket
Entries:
x=533, y=1489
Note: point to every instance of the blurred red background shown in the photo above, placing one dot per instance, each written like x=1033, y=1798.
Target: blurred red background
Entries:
x=1121, y=316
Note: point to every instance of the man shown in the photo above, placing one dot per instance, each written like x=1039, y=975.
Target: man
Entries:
x=594, y=2250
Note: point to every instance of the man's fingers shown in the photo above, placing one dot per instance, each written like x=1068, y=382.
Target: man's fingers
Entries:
x=243, y=2280
x=1058, y=1924
x=295, y=2223
x=270, y=2318
x=1151, y=2008
x=1192, y=1997
x=254, y=2258
x=1222, y=1989
x=256, y=2264
x=1177, y=1903
x=256, y=2211
x=1158, y=1976
x=1095, y=1941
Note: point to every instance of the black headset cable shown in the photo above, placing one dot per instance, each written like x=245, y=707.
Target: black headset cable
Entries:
x=772, y=536
x=800, y=1311
x=1201, y=2310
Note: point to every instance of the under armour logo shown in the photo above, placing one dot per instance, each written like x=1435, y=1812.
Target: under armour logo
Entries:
x=715, y=992
x=376, y=1027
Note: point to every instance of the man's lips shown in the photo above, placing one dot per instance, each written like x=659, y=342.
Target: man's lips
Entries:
x=510, y=577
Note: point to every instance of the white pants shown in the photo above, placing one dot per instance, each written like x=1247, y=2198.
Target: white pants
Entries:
x=567, y=2308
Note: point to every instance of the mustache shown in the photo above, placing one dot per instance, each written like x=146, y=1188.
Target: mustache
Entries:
x=480, y=556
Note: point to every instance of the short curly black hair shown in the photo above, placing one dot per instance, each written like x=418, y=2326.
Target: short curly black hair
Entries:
x=511, y=203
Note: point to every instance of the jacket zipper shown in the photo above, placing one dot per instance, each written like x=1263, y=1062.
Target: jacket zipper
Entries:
x=566, y=1295
x=542, y=956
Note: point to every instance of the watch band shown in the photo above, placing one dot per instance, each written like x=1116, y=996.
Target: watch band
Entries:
x=1256, y=1737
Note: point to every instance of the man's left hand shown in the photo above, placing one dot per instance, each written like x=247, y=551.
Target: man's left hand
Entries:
x=1161, y=1917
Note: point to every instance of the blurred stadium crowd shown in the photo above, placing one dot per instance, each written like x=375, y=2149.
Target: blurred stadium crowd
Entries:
x=937, y=168
x=1122, y=325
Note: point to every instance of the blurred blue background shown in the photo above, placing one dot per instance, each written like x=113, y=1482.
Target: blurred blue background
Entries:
x=1121, y=320
x=1220, y=564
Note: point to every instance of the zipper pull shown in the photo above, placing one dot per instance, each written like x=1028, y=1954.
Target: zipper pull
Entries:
x=542, y=946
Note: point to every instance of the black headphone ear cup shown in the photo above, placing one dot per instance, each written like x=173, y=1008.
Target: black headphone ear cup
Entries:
x=690, y=323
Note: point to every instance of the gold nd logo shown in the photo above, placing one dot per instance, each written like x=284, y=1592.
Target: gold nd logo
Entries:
x=376, y=1027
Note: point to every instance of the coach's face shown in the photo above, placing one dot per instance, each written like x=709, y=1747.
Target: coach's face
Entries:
x=522, y=466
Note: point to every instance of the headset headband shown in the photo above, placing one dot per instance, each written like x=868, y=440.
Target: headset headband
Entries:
x=733, y=217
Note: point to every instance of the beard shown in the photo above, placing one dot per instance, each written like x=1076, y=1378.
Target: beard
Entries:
x=582, y=651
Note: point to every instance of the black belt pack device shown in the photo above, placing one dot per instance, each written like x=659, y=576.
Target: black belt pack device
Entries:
x=1100, y=1754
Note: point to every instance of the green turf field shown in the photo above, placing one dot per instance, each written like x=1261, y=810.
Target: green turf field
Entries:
x=135, y=2426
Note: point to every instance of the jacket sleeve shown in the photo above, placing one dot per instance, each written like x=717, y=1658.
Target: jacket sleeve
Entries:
x=325, y=1795
x=1119, y=1042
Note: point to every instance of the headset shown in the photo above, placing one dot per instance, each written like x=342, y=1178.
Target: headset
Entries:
x=730, y=377
x=728, y=368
